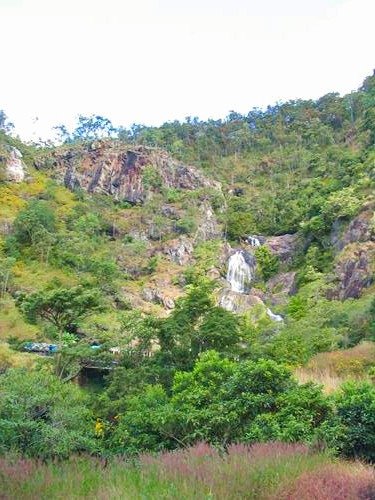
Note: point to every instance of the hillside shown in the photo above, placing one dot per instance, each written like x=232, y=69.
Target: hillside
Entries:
x=196, y=279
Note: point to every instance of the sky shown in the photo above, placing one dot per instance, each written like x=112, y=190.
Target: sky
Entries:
x=151, y=61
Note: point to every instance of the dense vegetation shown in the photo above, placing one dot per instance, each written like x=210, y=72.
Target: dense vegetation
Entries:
x=75, y=268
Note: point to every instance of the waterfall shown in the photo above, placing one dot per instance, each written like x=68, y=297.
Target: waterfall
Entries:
x=239, y=272
x=241, y=266
x=253, y=241
x=273, y=316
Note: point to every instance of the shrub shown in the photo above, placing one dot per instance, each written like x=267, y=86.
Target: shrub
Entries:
x=351, y=430
x=151, y=178
x=267, y=263
x=186, y=225
x=42, y=417
x=35, y=220
x=355, y=407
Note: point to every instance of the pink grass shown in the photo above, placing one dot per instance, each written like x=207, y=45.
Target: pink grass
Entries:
x=334, y=482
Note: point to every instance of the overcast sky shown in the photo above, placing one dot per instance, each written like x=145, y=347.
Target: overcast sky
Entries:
x=149, y=61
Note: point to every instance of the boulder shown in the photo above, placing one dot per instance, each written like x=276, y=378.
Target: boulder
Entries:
x=354, y=270
x=156, y=296
x=5, y=227
x=179, y=250
x=284, y=246
x=281, y=286
x=237, y=302
x=170, y=212
x=359, y=230
x=15, y=169
x=214, y=274
x=208, y=227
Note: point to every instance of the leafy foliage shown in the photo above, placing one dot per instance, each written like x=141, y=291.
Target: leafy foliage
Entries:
x=268, y=263
x=41, y=417
x=352, y=430
x=62, y=307
x=77, y=263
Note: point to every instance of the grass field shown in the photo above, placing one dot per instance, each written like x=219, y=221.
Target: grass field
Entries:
x=332, y=369
x=262, y=471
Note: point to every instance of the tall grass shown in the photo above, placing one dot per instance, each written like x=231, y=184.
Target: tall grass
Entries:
x=335, y=482
x=261, y=471
x=332, y=369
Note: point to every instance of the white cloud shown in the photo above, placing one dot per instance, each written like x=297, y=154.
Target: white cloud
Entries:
x=151, y=61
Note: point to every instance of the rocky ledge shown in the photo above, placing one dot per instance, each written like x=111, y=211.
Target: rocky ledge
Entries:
x=126, y=173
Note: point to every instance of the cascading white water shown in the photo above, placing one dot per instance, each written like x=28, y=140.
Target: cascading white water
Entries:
x=253, y=241
x=241, y=266
x=239, y=272
x=273, y=316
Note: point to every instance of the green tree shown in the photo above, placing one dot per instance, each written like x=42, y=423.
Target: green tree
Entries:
x=354, y=425
x=35, y=218
x=239, y=219
x=42, y=417
x=64, y=308
x=93, y=127
x=143, y=425
x=219, y=330
x=35, y=227
x=5, y=125
x=298, y=413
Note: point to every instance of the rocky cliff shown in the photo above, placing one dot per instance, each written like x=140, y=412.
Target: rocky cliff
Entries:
x=126, y=173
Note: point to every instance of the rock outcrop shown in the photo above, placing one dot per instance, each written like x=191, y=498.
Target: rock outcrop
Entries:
x=238, y=302
x=15, y=169
x=128, y=174
x=354, y=270
x=280, y=287
x=284, y=246
x=208, y=227
x=359, y=230
x=157, y=296
x=179, y=250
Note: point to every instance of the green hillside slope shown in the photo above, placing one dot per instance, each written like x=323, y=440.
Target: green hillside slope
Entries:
x=185, y=275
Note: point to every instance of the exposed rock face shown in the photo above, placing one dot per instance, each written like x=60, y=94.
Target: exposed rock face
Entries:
x=138, y=234
x=237, y=302
x=354, y=270
x=116, y=170
x=170, y=212
x=157, y=296
x=225, y=252
x=281, y=286
x=359, y=230
x=214, y=274
x=284, y=246
x=180, y=250
x=15, y=169
x=209, y=228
